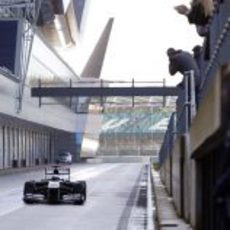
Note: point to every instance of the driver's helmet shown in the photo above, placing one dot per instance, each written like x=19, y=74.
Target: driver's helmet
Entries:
x=55, y=178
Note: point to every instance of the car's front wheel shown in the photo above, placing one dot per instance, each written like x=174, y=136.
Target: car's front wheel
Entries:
x=80, y=189
x=28, y=192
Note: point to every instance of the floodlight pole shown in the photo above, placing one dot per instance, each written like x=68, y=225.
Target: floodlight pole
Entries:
x=32, y=10
x=25, y=11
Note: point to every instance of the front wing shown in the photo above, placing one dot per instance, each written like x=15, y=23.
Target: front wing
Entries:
x=54, y=191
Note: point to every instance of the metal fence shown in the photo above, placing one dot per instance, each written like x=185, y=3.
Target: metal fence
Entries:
x=180, y=120
x=168, y=139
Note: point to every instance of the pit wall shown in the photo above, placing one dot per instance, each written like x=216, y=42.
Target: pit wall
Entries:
x=179, y=172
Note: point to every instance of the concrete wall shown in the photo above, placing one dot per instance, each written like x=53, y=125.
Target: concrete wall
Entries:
x=205, y=124
x=176, y=174
x=21, y=147
x=189, y=168
x=185, y=175
x=208, y=118
x=166, y=175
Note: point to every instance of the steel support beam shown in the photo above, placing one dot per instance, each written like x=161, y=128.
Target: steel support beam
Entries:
x=103, y=91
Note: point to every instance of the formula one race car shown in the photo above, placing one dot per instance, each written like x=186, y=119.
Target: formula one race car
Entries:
x=55, y=188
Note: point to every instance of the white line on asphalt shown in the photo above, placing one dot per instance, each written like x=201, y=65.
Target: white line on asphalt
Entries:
x=9, y=210
x=92, y=172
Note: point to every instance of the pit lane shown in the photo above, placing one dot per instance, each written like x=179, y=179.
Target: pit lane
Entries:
x=116, y=200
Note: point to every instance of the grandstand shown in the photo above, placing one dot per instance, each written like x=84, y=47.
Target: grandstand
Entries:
x=134, y=131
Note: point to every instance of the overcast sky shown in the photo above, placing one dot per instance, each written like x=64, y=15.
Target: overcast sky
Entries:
x=142, y=32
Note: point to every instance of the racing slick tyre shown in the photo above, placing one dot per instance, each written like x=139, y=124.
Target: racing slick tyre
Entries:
x=28, y=192
x=80, y=189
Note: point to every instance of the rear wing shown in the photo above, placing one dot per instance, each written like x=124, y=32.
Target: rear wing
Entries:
x=57, y=171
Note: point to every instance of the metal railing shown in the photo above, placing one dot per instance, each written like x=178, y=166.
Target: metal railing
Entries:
x=180, y=120
x=186, y=103
x=169, y=139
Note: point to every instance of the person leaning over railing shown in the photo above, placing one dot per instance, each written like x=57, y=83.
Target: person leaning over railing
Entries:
x=182, y=61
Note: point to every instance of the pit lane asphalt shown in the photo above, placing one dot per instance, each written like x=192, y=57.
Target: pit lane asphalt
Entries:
x=114, y=195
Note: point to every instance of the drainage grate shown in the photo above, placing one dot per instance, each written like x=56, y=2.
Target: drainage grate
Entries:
x=136, y=213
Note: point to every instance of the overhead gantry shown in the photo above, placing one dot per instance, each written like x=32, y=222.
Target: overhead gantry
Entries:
x=103, y=89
